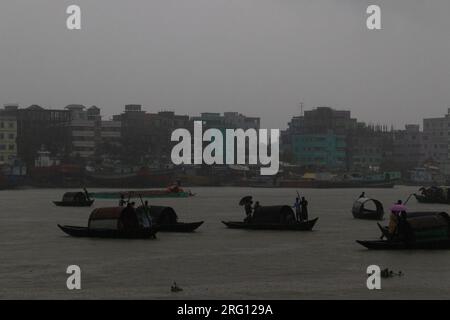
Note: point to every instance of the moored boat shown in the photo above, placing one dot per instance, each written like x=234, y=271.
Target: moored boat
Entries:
x=273, y=218
x=361, y=210
x=155, y=193
x=115, y=222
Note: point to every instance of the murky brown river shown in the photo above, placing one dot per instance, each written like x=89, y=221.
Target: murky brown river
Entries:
x=214, y=262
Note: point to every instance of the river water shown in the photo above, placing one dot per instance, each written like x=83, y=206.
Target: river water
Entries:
x=214, y=262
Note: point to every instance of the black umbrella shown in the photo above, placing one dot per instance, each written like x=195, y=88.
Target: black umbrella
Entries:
x=245, y=199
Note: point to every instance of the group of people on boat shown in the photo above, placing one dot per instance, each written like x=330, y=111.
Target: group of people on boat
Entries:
x=300, y=206
x=301, y=209
x=145, y=210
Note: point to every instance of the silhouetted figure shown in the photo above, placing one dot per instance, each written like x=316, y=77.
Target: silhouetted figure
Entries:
x=298, y=209
x=256, y=207
x=362, y=195
x=175, y=287
x=248, y=211
x=304, y=206
x=122, y=201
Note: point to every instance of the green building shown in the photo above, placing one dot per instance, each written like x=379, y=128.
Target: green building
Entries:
x=320, y=150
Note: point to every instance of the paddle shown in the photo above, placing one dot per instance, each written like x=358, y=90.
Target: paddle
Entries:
x=408, y=199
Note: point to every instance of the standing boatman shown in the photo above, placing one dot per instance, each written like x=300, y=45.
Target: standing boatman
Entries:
x=298, y=209
x=304, y=206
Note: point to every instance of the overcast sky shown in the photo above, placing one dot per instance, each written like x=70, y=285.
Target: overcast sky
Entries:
x=258, y=57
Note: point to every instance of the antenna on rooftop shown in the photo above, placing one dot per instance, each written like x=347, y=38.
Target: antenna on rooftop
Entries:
x=300, y=105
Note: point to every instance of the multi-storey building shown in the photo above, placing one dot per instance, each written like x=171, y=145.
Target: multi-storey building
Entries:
x=89, y=134
x=8, y=135
x=408, y=147
x=147, y=136
x=320, y=150
x=436, y=135
x=38, y=128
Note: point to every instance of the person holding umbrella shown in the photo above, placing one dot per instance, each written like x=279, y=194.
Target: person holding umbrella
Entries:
x=247, y=203
x=396, y=210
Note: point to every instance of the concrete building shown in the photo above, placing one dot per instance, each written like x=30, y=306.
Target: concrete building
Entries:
x=408, y=147
x=320, y=151
x=229, y=120
x=37, y=129
x=368, y=147
x=89, y=134
x=146, y=137
x=436, y=135
x=8, y=135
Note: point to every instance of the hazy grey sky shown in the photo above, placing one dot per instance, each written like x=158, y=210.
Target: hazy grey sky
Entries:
x=258, y=57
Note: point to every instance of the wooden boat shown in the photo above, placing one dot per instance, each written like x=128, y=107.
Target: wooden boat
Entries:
x=360, y=210
x=166, y=220
x=87, y=203
x=401, y=245
x=75, y=199
x=108, y=233
x=433, y=194
x=420, y=230
x=272, y=218
x=179, y=226
x=424, y=199
x=115, y=222
x=115, y=195
x=297, y=226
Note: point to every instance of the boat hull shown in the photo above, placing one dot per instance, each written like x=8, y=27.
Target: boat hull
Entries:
x=73, y=203
x=83, y=232
x=368, y=215
x=299, y=226
x=398, y=245
x=180, y=227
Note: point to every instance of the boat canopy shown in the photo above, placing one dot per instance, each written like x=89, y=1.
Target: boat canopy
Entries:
x=273, y=214
x=360, y=209
x=163, y=215
x=74, y=197
x=117, y=218
x=429, y=227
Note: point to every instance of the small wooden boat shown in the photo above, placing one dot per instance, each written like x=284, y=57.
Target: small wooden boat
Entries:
x=297, y=226
x=272, y=218
x=152, y=193
x=115, y=222
x=401, y=245
x=418, y=230
x=167, y=220
x=87, y=203
x=75, y=199
x=424, y=199
x=108, y=233
x=360, y=210
x=179, y=226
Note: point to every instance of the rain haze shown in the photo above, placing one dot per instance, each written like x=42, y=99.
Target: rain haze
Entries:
x=258, y=57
